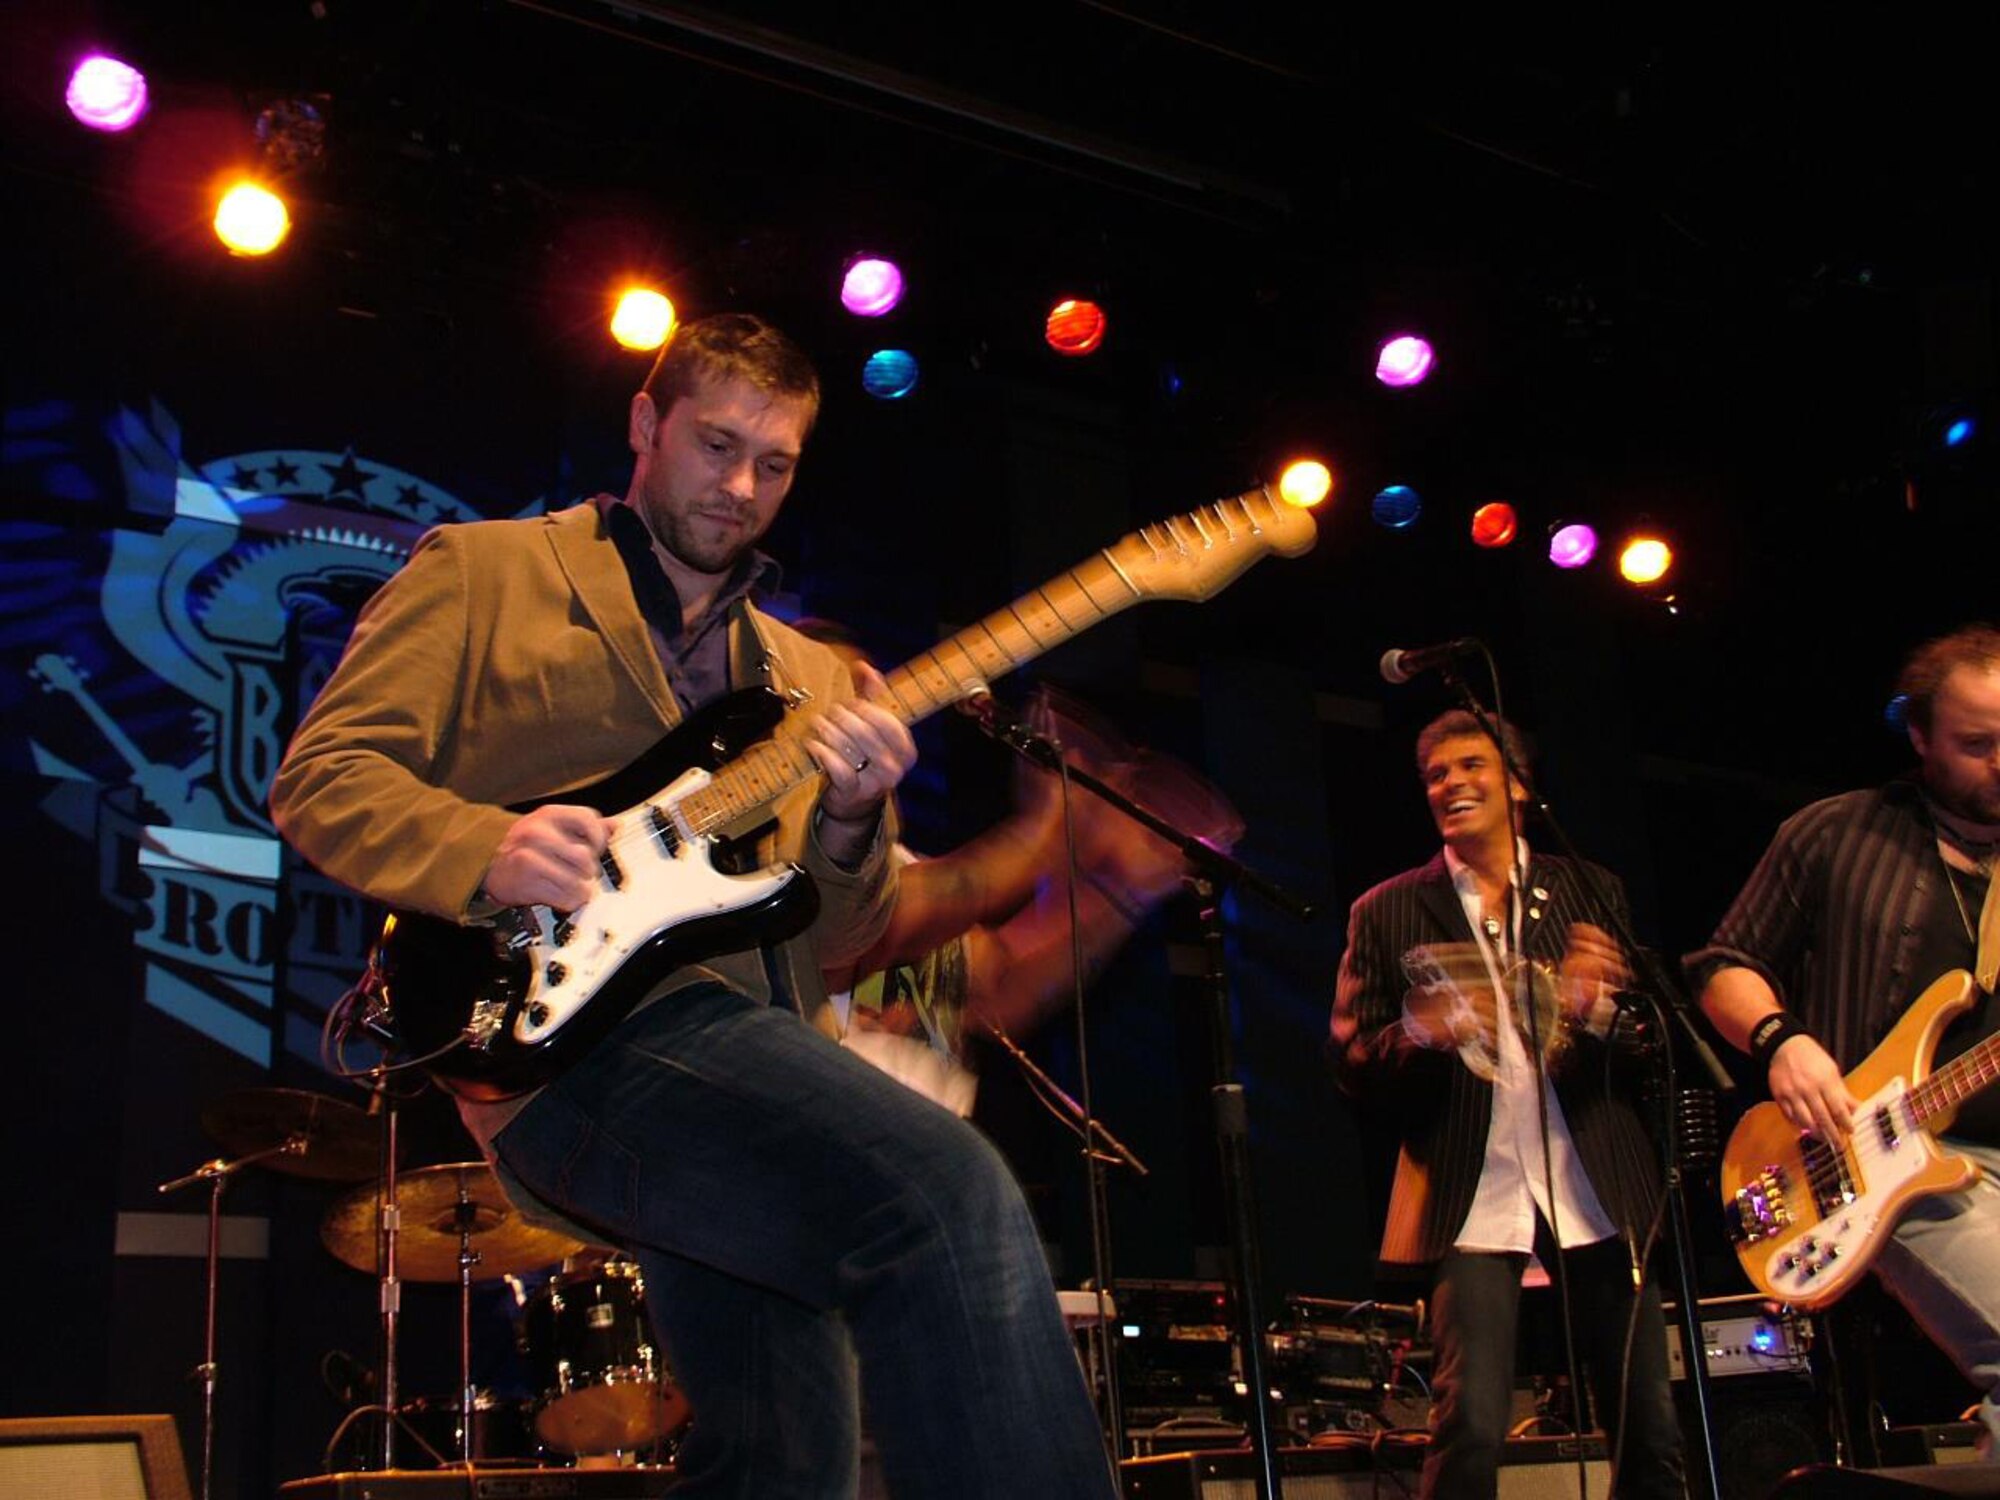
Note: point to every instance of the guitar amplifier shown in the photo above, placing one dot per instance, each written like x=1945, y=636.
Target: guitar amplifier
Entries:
x=1741, y=1337
x=485, y=1484
x=1176, y=1353
x=1530, y=1469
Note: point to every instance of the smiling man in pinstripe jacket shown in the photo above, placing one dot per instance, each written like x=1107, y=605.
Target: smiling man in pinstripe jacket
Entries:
x=1428, y=1027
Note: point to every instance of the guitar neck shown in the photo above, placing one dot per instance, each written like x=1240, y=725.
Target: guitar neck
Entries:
x=1958, y=1080
x=1190, y=556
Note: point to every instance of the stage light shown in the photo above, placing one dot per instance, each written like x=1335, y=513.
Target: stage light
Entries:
x=889, y=374
x=251, y=220
x=1495, y=524
x=291, y=133
x=871, y=287
x=1404, y=360
x=1075, y=326
x=1573, y=545
x=1396, y=506
x=1960, y=432
x=106, y=94
x=1305, y=483
x=643, y=318
x=1645, y=559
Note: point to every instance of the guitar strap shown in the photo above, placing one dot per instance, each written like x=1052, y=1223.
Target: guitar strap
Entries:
x=1986, y=965
x=751, y=659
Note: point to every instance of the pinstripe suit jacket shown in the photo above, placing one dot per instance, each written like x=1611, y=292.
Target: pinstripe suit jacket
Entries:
x=1441, y=1108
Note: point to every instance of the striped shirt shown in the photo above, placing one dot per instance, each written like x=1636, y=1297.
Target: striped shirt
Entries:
x=1839, y=914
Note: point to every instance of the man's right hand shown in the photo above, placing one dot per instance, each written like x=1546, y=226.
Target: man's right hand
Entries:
x=1807, y=1085
x=550, y=857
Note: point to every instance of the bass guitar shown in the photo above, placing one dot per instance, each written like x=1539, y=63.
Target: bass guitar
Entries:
x=494, y=1011
x=1807, y=1217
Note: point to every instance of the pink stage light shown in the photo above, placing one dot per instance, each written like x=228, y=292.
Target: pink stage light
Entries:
x=1404, y=360
x=1572, y=546
x=871, y=287
x=106, y=94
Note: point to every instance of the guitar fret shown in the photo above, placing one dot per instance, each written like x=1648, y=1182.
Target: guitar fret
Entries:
x=1109, y=565
x=998, y=644
x=1958, y=1079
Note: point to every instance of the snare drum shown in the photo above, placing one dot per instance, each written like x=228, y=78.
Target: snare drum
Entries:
x=590, y=1351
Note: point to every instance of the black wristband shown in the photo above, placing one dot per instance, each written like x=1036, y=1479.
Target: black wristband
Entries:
x=1771, y=1033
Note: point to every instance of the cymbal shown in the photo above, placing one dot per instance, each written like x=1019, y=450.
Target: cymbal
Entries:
x=339, y=1140
x=427, y=1246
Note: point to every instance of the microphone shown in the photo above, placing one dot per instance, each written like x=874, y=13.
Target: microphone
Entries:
x=1400, y=664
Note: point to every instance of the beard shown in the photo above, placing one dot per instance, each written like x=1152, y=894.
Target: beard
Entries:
x=702, y=542
x=1971, y=801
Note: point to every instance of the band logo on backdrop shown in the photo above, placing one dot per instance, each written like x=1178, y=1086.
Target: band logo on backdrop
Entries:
x=218, y=614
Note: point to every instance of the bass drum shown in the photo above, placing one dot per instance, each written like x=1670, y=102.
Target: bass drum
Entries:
x=590, y=1352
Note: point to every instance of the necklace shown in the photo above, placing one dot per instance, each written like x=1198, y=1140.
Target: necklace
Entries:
x=1958, y=897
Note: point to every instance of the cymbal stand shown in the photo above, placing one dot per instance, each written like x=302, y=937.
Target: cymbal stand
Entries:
x=217, y=1174
x=389, y=1220
x=468, y=1257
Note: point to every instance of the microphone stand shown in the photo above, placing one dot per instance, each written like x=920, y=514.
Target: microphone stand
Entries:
x=1667, y=1000
x=217, y=1174
x=1214, y=872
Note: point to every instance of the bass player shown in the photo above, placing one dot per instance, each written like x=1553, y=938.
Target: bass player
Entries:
x=1860, y=903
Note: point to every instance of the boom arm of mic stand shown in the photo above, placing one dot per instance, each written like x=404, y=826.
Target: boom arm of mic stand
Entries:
x=1210, y=863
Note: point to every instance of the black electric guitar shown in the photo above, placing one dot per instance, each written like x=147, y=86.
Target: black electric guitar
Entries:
x=1807, y=1217
x=496, y=1010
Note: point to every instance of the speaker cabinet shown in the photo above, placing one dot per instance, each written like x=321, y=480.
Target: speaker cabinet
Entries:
x=1531, y=1469
x=107, y=1458
x=1824, y=1482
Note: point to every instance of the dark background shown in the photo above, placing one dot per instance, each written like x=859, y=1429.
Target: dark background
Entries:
x=1730, y=280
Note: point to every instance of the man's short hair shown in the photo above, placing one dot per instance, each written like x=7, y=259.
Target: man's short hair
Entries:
x=1458, y=724
x=1968, y=646
x=733, y=346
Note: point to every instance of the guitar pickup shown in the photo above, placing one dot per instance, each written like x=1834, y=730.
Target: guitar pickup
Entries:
x=1885, y=1126
x=562, y=932
x=664, y=829
x=614, y=874
x=1828, y=1175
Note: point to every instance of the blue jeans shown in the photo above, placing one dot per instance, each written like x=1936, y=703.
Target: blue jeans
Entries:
x=1941, y=1266
x=796, y=1211
x=1476, y=1309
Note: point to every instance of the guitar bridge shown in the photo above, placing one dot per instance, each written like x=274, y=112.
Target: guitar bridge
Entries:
x=1759, y=1210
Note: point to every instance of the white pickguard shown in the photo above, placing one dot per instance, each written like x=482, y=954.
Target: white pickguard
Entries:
x=1829, y=1251
x=659, y=891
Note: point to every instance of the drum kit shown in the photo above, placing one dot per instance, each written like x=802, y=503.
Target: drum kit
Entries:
x=603, y=1393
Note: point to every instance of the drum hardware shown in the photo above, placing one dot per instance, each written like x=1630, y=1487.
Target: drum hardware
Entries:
x=437, y=1223
x=429, y=1203
x=300, y=1134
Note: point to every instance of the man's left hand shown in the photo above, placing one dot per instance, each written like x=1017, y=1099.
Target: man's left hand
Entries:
x=864, y=749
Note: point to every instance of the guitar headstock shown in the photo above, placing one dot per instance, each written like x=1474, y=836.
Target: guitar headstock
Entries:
x=58, y=674
x=1197, y=554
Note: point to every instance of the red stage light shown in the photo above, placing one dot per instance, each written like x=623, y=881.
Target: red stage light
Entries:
x=1075, y=326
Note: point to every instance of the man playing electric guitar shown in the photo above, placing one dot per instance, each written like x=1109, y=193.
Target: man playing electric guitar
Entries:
x=792, y=1208
x=1860, y=904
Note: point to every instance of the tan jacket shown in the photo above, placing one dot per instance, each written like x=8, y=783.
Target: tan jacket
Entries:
x=506, y=662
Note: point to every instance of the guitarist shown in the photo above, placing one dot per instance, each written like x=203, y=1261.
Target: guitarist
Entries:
x=791, y=1207
x=1861, y=902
